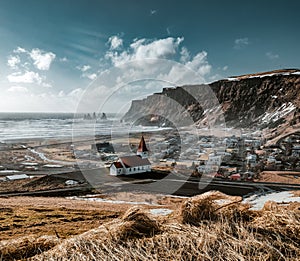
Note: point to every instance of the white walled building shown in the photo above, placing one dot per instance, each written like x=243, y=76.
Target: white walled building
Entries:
x=251, y=160
x=130, y=165
x=135, y=164
x=211, y=164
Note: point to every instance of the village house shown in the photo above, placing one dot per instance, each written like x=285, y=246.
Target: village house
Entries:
x=230, y=142
x=272, y=160
x=252, y=143
x=211, y=163
x=296, y=151
x=16, y=177
x=251, y=160
x=134, y=164
x=105, y=147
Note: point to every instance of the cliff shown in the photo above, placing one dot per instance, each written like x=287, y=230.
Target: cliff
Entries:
x=263, y=99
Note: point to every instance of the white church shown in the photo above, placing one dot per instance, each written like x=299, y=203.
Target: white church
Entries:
x=135, y=164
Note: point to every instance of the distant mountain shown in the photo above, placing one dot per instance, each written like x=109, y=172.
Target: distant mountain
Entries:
x=262, y=100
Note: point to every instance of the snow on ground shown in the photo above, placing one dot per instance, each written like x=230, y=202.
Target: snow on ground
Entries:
x=283, y=110
x=87, y=198
x=223, y=201
x=160, y=211
x=258, y=201
x=237, y=78
x=253, y=76
x=53, y=166
x=9, y=171
x=232, y=79
x=263, y=75
x=30, y=164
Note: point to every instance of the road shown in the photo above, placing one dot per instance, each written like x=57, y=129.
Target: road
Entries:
x=177, y=185
x=171, y=184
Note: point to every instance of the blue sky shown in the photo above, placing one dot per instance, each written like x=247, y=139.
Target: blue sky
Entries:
x=50, y=51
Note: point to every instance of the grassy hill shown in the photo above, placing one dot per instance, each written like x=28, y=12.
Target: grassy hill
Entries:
x=211, y=226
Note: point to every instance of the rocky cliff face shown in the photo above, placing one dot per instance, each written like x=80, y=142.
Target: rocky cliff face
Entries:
x=264, y=99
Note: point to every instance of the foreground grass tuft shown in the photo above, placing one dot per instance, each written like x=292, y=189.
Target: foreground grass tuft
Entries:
x=212, y=226
x=26, y=246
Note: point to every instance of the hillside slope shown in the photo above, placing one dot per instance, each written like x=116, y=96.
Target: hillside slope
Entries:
x=263, y=100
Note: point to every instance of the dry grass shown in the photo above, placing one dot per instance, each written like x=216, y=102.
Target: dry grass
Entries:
x=210, y=206
x=39, y=221
x=54, y=217
x=62, y=153
x=135, y=224
x=33, y=184
x=296, y=193
x=26, y=246
x=290, y=177
x=204, y=229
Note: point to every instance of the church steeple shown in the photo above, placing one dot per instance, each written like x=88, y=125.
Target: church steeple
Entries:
x=142, y=149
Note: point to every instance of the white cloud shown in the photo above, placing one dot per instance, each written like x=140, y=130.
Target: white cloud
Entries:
x=46, y=84
x=225, y=68
x=19, y=89
x=161, y=48
x=153, y=60
x=153, y=12
x=185, y=55
x=61, y=94
x=199, y=63
x=115, y=42
x=92, y=76
x=272, y=56
x=76, y=93
x=144, y=49
x=64, y=59
x=83, y=68
x=241, y=42
x=168, y=31
x=215, y=77
x=14, y=100
x=24, y=63
x=41, y=59
x=27, y=77
x=135, y=61
x=13, y=61
x=151, y=64
x=19, y=50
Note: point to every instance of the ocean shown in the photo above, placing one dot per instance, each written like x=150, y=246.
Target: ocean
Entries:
x=14, y=126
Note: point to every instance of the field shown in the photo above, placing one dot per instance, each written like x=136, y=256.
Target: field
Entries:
x=211, y=226
x=288, y=177
x=49, y=216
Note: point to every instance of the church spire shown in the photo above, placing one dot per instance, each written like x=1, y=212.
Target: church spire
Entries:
x=142, y=149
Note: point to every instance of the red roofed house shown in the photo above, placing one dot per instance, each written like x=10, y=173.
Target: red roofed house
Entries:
x=135, y=164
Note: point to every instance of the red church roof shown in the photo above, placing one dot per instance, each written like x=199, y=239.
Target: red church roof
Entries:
x=142, y=146
x=134, y=161
x=118, y=165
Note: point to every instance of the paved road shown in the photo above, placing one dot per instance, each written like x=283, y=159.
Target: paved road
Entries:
x=154, y=183
x=173, y=184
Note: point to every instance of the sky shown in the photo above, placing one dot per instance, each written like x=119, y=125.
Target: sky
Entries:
x=52, y=53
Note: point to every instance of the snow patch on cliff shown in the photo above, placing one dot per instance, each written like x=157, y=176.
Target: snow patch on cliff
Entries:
x=282, y=111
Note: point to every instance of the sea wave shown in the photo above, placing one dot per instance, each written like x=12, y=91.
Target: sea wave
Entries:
x=65, y=125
